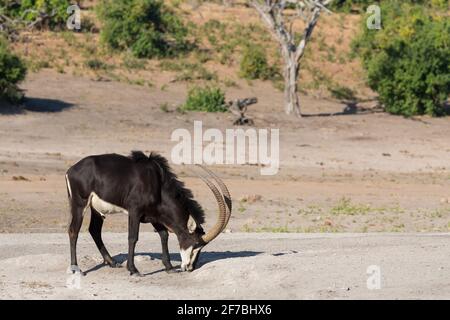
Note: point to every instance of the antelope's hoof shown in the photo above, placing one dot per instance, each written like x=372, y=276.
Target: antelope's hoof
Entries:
x=113, y=264
x=171, y=270
x=74, y=269
x=136, y=274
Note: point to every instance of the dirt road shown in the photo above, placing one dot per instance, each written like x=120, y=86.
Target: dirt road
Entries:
x=235, y=266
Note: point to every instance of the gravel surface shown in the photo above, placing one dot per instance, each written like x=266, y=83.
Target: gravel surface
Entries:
x=235, y=266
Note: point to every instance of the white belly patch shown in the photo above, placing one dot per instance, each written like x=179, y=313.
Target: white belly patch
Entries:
x=103, y=207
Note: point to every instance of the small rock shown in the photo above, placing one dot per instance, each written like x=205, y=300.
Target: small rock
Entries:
x=251, y=198
x=20, y=178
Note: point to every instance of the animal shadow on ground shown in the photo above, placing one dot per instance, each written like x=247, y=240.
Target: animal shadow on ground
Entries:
x=351, y=108
x=34, y=105
x=205, y=258
x=45, y=105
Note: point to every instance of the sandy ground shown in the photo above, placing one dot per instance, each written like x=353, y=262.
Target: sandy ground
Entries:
x=249, y=265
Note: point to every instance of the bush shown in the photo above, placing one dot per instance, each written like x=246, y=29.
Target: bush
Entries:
x=96, y=64
x=348, y=5
x=12, y=71
x=254, y=64
x=146, y=27
x=408, y=60
x=30, y=10
x=208, y=99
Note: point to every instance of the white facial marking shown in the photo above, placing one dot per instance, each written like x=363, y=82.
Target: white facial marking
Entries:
x=191, y=225
x=185, y=258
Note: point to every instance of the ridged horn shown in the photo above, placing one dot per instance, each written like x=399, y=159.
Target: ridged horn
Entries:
x=222, y=217
x=226, y=194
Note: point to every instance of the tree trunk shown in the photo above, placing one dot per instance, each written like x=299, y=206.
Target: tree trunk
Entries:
x=292, y=103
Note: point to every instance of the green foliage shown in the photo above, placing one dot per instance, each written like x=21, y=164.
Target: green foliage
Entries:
x=408, y=60
x=12, y=71
x=30, y=10
x=254, y=64
x=96, y=64
x=208, y=99
x=348, y=5
x=346, y=207
x=145, y=27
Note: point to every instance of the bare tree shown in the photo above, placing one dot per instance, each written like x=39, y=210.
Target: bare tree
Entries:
x=279, y=16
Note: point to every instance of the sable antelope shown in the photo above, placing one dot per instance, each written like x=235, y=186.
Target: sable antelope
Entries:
x=146, y=189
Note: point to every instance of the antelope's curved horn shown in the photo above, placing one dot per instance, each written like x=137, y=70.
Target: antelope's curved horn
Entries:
x=226, y=194
x=218, y=227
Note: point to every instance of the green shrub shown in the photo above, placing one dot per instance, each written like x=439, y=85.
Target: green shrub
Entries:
x=254, y=64
x=12, y=71
x=347, y=5
x=208, y=99
x=408, y=60
x=96, y=64
x=30, y=10
x=145, y=27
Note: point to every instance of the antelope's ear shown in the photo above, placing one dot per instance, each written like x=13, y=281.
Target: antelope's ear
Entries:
x=191, y=225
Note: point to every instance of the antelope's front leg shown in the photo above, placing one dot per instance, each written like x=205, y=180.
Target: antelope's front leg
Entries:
x=133, y=236
x=164, y=234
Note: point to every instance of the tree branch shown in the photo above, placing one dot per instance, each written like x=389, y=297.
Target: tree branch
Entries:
x=273, y=14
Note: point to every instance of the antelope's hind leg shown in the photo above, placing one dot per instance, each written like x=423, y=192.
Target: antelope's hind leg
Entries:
x=76, y=219
x=95, y=229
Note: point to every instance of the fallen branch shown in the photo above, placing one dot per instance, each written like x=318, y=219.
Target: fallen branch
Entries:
x=238, y=107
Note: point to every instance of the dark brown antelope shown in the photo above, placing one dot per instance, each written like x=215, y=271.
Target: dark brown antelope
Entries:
x=147, y=191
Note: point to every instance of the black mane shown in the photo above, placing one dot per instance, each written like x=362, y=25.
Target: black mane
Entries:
x=172, y=185
x=138, y=156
